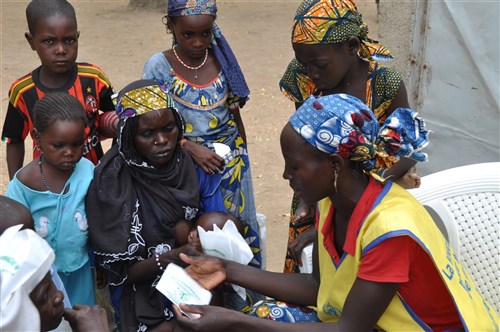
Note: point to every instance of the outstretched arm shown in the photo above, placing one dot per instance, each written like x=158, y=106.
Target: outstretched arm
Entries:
x=149, y=268
x=364, y=306
x=295, y=288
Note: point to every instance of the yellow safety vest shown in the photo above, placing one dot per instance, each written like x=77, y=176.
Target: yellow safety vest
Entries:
x=397, y=213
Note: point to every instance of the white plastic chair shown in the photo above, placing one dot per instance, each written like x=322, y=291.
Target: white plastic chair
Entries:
x=465, y=203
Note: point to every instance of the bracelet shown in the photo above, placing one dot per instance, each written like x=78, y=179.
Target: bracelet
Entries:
x=182, y=142
x=157, y=258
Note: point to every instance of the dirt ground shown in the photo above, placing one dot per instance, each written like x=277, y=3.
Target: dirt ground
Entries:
x=120, y=40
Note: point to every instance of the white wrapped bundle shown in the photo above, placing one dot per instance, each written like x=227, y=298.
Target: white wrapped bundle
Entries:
x=226, y=243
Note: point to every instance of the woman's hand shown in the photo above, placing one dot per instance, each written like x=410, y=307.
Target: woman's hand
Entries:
x=209, y=271
x=211, y=318
x=208, y=160
x=303, y=239
x=86, y=318
x=172, y=256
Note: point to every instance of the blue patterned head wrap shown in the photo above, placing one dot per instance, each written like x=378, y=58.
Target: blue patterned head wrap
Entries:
x=220, y=46
x=344, y=125
x=191, y=7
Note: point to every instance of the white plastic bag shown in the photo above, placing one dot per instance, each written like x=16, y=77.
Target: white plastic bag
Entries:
x=25, y=259
x=306, y=256
x=226, y=243
x=262, y=221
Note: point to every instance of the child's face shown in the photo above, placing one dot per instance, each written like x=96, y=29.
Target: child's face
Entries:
x=156, y=136
x=193, y=34
x=49, y=302
x=326, y=65
x=55, y=40
x=62, y=143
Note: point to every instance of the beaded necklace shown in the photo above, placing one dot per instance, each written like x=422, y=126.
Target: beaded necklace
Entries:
x=190, y=67
x=44, y=181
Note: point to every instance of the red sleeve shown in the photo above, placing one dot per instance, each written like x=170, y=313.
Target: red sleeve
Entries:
x=389, y=261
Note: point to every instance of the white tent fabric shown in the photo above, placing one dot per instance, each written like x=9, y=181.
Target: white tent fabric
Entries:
x=455, y=83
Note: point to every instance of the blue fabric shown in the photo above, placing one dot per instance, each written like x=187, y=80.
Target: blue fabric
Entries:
x=191, y=7
x=80, y=285
x=60, y=285
x=283, y=312
x=344, y=125
x=220, y=46
x=210, y=194
x=61, y=220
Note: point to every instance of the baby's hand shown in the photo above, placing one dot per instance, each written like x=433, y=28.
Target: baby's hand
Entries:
x=194, y=239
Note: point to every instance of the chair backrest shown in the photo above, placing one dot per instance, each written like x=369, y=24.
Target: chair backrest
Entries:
x=466, y=201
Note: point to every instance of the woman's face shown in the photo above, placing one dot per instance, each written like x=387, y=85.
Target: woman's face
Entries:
x=156, y=136
x=326, y=65
x=308, y=170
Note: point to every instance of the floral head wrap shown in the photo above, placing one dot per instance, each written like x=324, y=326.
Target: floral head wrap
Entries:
x=344, y=125
x=326, y=22
x=334, y=21
x=220, y=46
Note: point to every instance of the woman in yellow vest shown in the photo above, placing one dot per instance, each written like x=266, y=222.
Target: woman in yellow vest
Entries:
x=379, y=259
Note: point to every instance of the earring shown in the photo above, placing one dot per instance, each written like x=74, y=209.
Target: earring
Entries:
x=360, y=55
x=155, y=143
x=335, y=180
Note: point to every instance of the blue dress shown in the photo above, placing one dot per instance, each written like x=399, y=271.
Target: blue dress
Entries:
x=61, y=220
x=206, y=111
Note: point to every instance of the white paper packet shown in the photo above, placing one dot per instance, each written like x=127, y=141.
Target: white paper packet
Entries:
x=226, y=243
x=306, y=256
x=224, y=151
x=178, y=286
